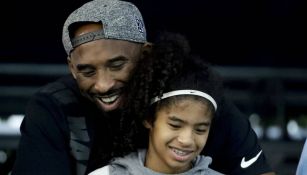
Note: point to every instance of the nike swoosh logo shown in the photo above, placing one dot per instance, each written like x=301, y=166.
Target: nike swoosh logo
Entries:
x=245, y=164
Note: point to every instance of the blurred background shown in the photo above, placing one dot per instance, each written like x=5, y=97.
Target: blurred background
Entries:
x=258, y=46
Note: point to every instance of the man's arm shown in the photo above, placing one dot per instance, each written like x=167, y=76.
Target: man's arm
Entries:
x=42, y=147
x=245, y=144
x=233, y=144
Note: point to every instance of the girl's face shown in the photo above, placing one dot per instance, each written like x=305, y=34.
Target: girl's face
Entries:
x=178, y=135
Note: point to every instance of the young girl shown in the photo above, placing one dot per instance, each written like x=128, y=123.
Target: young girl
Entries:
x=175, y=100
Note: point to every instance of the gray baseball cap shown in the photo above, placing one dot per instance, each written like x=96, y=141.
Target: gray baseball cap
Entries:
x=121, y=20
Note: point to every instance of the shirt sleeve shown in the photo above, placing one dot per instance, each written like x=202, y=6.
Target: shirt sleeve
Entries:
x=233, y=144
x=43, y=147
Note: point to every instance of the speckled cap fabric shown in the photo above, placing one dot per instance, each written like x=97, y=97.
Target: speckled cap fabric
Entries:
x=121, y=20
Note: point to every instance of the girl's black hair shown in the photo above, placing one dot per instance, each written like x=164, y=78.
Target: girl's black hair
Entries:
x=169, y=66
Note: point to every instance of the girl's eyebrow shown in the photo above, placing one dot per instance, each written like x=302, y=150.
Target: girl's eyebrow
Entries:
x=176, y=119
x=204, y=123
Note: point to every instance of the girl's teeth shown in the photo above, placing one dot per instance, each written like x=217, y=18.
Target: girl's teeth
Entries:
x=179, y=152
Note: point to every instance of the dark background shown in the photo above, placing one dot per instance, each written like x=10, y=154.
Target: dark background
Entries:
x=270, y=33
x=267, y=36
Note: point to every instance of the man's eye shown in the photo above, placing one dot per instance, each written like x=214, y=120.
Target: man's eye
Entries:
x=117, y=65
x=88, y=73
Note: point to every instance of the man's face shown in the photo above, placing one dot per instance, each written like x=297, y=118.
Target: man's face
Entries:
x=178, y=135
x=103, y=67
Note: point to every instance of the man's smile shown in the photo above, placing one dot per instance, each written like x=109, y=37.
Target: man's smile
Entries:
x=110, y=97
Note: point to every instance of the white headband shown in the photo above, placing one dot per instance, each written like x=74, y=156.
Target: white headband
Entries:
x=185, y=92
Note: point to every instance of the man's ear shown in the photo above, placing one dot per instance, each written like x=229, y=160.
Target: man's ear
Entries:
x=71, y=67
x=147, y=48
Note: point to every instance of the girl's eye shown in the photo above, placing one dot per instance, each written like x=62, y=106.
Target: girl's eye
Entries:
x=201, y=131
x=175, y=126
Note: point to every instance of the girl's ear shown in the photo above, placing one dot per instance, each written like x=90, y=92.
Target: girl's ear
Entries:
x=147, y=124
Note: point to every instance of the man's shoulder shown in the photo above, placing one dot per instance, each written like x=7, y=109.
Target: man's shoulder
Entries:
x=230, y=123
x=62, y=83
x=229, y=114
x=64, y=90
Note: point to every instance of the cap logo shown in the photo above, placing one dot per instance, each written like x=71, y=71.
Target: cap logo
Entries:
x=140, y=24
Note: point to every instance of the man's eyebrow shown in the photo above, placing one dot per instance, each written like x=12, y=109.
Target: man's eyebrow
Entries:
x=117, y=58
x=81, y=67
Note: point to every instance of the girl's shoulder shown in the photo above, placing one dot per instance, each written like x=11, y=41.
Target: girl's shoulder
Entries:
x=101, y=171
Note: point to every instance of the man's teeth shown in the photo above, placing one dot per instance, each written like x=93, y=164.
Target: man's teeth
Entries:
x=110, y=99
x=180, y=153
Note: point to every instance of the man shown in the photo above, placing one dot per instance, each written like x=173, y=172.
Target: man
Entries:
x=104, y=40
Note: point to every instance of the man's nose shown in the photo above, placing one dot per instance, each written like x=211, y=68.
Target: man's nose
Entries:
x=104, y=82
